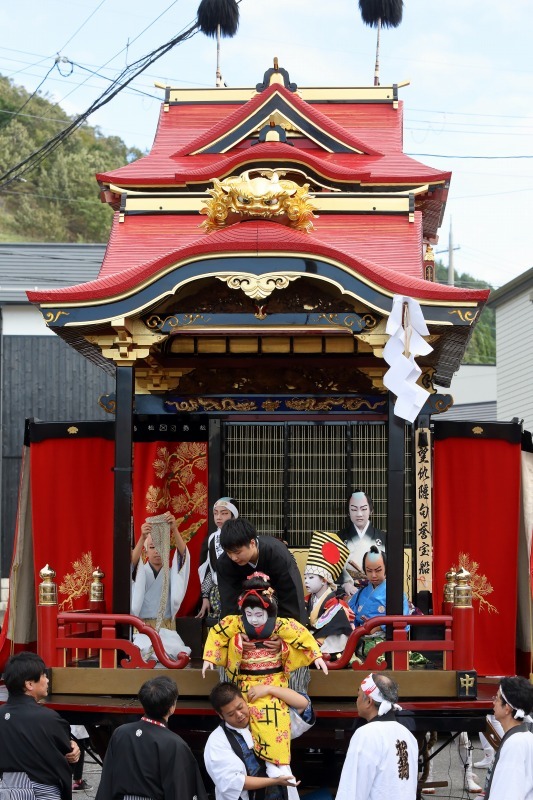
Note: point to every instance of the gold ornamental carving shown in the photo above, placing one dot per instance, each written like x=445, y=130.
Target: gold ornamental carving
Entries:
x=47, y=589
x=132, y=341
x=50, y=317
x=465, y=316
x=267, y=195
x=258, y=287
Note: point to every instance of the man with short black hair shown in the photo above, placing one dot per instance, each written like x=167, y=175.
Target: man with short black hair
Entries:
x=512, y=772
x=145, y=759
x=382, y=759
x=236, y=771
x=35, y=743
x=246, y=552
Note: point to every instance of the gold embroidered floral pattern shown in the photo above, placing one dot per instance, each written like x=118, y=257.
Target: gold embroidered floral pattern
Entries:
x=78, y=583
x=481, y=587
x=178, y=488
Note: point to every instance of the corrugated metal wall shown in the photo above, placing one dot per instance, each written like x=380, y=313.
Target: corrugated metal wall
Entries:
x=46, y=379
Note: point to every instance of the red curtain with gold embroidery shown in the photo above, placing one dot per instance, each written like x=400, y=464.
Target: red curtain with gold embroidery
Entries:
x=72, y=515
x=476, y=516
x=172, y=476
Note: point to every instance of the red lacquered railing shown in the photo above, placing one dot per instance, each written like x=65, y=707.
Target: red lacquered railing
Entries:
x=400, y=645
x=65, y=637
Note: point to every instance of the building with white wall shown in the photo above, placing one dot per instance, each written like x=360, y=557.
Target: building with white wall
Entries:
x=513, y=304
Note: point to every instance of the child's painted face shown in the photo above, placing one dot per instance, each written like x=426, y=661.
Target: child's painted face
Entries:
x=256, y=616
x=221, y=514
x=313, y=583
x=153, y=555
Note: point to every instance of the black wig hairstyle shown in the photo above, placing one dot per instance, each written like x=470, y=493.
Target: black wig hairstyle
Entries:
x=368, y=499
x=259, y=584
x=375, y=551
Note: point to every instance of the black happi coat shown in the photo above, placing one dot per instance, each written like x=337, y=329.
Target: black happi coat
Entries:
x=35, y=740
x=155, y=763
x=276, y=561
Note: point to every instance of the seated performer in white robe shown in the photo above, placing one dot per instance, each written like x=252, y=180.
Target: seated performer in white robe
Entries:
x=158, y=590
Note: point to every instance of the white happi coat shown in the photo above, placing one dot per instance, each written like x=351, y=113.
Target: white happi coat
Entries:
x=512, y=773
x=145, y=598
x=381, y=763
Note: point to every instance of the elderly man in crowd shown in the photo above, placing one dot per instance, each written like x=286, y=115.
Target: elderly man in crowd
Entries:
x=35, y=745
x=382, y=759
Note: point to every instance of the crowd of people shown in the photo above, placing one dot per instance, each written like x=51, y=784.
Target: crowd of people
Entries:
x=263, y=634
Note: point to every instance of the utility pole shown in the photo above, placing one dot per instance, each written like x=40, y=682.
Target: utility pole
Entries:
x=451, y=248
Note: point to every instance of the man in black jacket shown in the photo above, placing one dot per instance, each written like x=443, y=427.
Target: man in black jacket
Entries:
x=35, y=745
x=246, y=552
x=145, y=759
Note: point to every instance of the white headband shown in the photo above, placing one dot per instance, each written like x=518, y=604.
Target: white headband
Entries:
x=227, y=504
x=371, y=690
x=519, y=713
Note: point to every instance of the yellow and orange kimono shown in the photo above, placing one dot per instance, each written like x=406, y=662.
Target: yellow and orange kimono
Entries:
x=269, y=716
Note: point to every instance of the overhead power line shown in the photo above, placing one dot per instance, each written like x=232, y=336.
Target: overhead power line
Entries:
x=127, y=75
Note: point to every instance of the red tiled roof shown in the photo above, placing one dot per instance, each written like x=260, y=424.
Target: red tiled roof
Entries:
x=242, y=113
x=255, y=238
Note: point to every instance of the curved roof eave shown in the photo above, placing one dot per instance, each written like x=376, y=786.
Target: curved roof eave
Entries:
x=267, y=247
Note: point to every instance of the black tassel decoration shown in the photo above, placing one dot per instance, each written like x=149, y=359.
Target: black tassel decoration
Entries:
x=212, y=13
x=388, y=11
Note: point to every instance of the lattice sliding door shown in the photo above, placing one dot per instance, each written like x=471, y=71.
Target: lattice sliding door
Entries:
x=290, y=478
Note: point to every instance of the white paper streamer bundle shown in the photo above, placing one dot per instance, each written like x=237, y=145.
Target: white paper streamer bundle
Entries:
x=406, y=327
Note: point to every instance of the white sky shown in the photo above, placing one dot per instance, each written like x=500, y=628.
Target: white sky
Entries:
x=469, y=64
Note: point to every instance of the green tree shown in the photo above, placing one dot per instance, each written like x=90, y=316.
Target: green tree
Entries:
x=58, y=201
x=482, y=346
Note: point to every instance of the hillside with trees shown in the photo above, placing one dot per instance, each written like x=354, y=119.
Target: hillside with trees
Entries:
x=58, y=201
x=482, y=345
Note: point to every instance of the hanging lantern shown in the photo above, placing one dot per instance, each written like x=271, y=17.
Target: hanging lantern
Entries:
x=215, y=13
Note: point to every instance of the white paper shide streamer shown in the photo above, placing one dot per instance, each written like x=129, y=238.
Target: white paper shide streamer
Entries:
x=406, y=327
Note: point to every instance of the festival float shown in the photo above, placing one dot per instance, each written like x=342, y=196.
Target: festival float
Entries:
x=268, y=305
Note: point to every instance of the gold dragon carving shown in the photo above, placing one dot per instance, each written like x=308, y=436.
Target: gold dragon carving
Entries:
x=266, y=196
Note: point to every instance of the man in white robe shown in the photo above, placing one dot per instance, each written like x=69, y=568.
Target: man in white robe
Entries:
x=512, y=772
x=382, y=759
x=149, y=585
x=229, y=756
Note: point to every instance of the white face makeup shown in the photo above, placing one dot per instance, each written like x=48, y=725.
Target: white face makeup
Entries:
x=256, y=616
x=359, y=511
x=221, y=514
x=313, y=583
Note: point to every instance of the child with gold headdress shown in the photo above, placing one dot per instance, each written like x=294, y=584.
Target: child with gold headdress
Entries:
x=257, y=648
x=330, y=619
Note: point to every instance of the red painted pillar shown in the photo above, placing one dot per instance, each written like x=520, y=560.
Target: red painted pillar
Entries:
x=47, y=618
x=463, y=623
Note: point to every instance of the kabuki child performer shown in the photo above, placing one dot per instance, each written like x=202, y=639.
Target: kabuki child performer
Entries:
x=330, y=619
x=228, y=645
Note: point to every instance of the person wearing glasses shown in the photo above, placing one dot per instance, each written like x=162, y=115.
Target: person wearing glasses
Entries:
x=512, y=771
